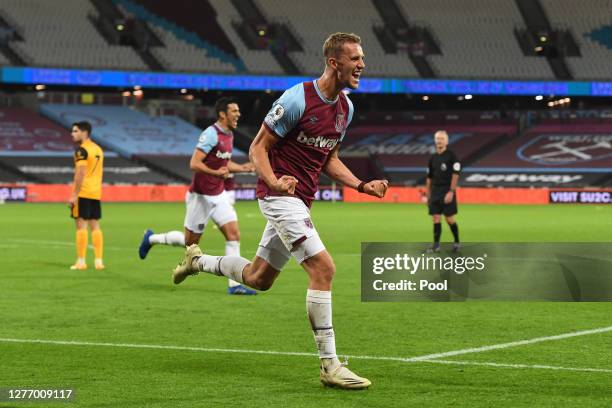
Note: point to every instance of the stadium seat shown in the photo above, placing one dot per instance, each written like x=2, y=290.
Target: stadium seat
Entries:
x=130, y=132
x=312, y=27
x=596, y=59
x=76, y=43
x=477, y=41
x=256, y=61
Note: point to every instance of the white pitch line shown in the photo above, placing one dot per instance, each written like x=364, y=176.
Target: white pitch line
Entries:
x=155, y=346
x=511, y=344
x=67, y=244
x=292, y=353
x=115, y=248
x=509, y=365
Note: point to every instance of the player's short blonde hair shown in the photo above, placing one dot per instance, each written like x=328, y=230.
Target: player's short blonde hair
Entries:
x=333, y=44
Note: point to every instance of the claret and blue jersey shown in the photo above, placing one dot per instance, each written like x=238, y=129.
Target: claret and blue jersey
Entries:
x=218, y=145
x=309, y=127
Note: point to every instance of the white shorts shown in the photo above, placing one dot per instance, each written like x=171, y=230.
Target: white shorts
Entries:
x=289, y=232
x=231, y=196
x=201, y=208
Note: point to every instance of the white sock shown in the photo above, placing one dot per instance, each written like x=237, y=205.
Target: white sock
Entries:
x=174, y=238
x=319, y=309
x=229, y=266
x=232, y=248
x=81, y=260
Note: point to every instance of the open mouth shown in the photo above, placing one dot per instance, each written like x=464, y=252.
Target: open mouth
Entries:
x=356, y=75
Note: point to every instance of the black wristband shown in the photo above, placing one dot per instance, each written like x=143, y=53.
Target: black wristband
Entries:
x=360, y=186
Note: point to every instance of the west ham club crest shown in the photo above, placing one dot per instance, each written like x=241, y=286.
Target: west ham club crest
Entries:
x=340, y=123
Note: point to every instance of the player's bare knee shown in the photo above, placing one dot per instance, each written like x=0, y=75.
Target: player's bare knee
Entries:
x=450, y=220
x=259, y=274
x=324, y=273
x=259, y=281
x=233, y=236
x=436, y=219
x=263, y=283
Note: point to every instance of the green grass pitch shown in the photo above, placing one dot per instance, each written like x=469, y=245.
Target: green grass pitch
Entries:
x=134, y=302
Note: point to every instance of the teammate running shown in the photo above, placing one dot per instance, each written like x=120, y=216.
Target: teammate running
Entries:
x=207, y=198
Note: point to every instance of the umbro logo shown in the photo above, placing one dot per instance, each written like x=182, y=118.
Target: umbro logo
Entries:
x=313, y=119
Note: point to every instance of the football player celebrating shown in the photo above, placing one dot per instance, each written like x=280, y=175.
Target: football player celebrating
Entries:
x=298, y=140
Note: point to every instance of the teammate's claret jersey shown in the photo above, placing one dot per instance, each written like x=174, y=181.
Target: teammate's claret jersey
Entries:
x=218, y=145
x=309, y=127
x=91, y=155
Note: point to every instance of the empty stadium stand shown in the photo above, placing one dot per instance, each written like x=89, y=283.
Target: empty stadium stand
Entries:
x=186, y=37
x=24, y=133
x=471, y=39
x=256, y=61
x=402, y=152
x=588, y=21
x=549, y=154
x=163, y=144
x=61, y=36
x=477, y=39
x=130, y=132
x=312, y=27
x=34, y=149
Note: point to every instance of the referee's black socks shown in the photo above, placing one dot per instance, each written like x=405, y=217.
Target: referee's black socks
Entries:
x=455, y=230
x=437, y=232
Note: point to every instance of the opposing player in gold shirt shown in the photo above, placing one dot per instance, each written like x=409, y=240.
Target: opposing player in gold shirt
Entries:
x=86, y=194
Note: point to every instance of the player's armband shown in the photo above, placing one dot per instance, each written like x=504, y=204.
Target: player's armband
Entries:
x=80, y=155
x=456, y=167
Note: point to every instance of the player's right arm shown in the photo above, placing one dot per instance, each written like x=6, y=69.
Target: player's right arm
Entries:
x=197, y=164
x=428, y=179
x=80, y=169
x=207, y=141
x=258, y=153
x=278, y=123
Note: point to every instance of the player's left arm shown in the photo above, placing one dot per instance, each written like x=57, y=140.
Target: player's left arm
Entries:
x=337, y=171
x=240, y=168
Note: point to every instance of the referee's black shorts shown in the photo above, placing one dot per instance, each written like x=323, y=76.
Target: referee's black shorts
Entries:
x=437, y=205
x=87, y=209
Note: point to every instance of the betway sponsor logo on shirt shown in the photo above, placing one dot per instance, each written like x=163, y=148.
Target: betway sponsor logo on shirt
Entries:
x=224, y=155
x=523, y=178
x=318, y=141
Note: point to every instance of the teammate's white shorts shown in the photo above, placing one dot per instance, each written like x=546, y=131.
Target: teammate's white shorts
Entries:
x=231, y=196
x=201, y=208
x=289, y=232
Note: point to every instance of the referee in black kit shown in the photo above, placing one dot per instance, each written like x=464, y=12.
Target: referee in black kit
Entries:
x=442, y=177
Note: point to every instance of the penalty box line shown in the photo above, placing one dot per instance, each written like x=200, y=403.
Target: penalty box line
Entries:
x=428, y=358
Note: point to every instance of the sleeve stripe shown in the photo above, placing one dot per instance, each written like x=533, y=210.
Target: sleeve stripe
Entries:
x=272, y=130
